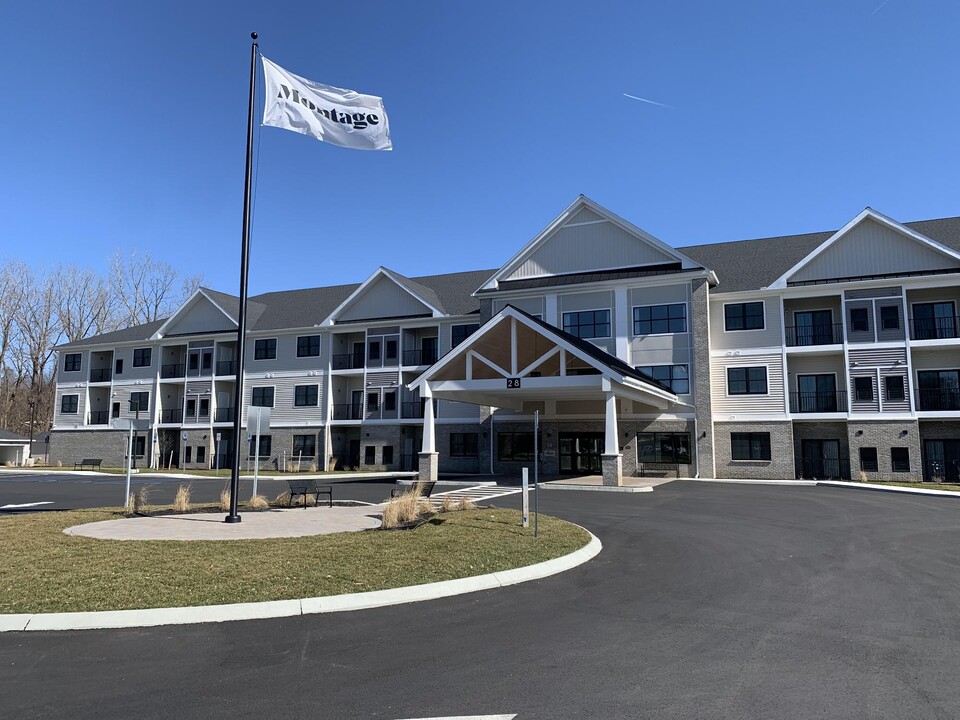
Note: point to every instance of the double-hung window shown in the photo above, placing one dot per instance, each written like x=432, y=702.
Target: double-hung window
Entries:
x=139, y=401
x=70, y=404
x=660, y=319
x=71, y=362
x=587, y=323
x=306, y=395
x=743, y=316
x=747, y=380
x=265, y=349
x=142, y=357
x=308, y=346
x=262, y=397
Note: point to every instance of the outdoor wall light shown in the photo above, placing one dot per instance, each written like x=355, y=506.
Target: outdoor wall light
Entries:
x=859, y=433
x=903, y=433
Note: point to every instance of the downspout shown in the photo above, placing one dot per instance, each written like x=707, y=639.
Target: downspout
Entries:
x=493, y=411
x=696, y=446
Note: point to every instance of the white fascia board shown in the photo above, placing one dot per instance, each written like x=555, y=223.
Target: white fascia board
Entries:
x=583, y=202
x=866, y=213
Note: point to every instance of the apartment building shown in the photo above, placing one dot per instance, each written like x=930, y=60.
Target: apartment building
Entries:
x=820, y=355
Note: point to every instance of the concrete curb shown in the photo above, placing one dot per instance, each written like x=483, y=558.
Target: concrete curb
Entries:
x=794, y=483
x=152, y=617
x=888, y=488
x=598, y=488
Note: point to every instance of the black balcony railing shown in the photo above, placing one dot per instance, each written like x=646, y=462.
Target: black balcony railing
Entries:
x=225, y=414
x=101, y=375
x=411, y=409
x=227, y=367
x=348, y=361
x=174, y=415
x=419, y=357
x=98, y=417
x=347, y=411
x=938, y=399
x=818, y=402
x=805, y=335
x=823, y=468
x=172, y=370
x=941, y=328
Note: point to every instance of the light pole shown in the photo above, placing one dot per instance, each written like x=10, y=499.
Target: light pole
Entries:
x=33, y=418
x=135, y=406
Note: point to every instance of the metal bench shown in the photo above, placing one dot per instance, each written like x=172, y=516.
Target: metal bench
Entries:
x=423, y=489
x=648, y=469
x=307, y=488
x=94, y=464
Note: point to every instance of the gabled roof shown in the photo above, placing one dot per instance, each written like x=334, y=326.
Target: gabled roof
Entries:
x=422, y=295
x=131, y=334
x=215, y=298
x=12, y=437
x=601, y=214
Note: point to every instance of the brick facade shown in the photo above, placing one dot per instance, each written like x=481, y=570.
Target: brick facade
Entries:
x=781, y=462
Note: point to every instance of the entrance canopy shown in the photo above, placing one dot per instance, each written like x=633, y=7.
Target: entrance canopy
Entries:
x=515, y=357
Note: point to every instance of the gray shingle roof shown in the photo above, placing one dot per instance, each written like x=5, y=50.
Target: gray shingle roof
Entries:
x=7, y=435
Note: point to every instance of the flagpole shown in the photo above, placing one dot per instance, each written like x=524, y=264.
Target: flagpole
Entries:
x=233, y=517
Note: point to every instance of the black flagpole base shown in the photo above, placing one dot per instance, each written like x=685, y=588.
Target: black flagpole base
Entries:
x=232, y=519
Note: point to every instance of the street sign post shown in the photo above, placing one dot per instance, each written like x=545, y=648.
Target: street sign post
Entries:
x=258, y=420
x=526, y=498
x=124, y=423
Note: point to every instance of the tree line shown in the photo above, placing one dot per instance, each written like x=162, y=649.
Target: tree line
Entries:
x=43, y=307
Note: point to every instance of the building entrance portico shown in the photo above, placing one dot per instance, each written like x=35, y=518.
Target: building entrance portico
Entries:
x=519, y=364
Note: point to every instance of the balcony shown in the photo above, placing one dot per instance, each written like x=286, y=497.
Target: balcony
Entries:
x=419, y=357
x=348, y=361
x=411, y=409
x=227, y=367
x=347, y=411
x=818, y=402
x=98, y=417
x=938, y=399
x=940, y=328
x=101, y=375
x=809, y=335
x=225, y=414
x=173, y=370
x=171, y=416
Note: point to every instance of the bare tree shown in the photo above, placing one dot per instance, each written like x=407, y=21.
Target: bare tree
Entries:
x=85, y=305
x=146, y=289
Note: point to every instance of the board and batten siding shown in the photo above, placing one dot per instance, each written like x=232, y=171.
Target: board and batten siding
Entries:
x=772, y=403
x=284, y=412
x=532, y=305
x=769, y=336
x=872, y=249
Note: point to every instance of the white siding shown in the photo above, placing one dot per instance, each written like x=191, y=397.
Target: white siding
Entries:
x=772, y=402
x=769, y=336
x=202, y=316
x=284, y=411
x=383, y=298
x=68, y=420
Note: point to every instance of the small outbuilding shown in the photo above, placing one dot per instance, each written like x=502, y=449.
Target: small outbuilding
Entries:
x=14, y=449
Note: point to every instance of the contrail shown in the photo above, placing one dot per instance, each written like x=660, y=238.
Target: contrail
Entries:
x=879, y=7
x=652, y=102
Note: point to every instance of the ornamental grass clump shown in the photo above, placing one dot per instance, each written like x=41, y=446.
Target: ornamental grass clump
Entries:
x=181, y=501
x=225, y=499
x=138, y=501
x=449, y=504
x=259, y=502
x=467, y=504
x=404, y=509
x=282, y=499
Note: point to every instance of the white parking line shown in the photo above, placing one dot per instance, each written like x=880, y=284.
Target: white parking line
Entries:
x=23, y=505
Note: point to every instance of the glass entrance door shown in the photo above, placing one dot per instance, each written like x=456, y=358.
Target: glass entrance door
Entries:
x=820, y=459
x=941, y=461
x=580, y=452
x=814, y=327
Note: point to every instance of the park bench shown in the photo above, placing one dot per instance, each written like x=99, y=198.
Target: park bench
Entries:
x=651, y=469
x=404, y=486
x=309, y=487
x=94, y=463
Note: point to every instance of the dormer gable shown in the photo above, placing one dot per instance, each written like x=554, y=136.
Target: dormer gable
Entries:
x=386, y=295
x=200, y=313
x=588, y=238
x=871, y=245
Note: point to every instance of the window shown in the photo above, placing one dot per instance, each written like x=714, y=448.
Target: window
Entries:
x=204, y=409
x=743, y=316
x=207, y=363
x=118, y=366
x=265, y=349
x=515, y=446
x=464, y=445
x=142, y=357
x=893, y=386
x=304, y=445
x=139, y=446
x=188, y=454
x=390, y=350
x=387, y=458
x=70, y=404
x=262, y=397
x=664, y=447
x=863, y=388
x=71, y=362
x=369, y=454
x=868, y=459
x=459, y=333
x=660, y=319
x=390, y=401
x=266, y=445
x=139, y=401
x=373, y=401
x=939, y=389
x=900, y=459
x=115, y=410
x=747, y=381
x=192, y=407
x=373, y=350
x=934, y=320
x=890, y=317
x=587, y=324
x=308, y=346
x=306, y=395
x=676, y=377
x=859, y=320
x=201, y=454
x=750, y=446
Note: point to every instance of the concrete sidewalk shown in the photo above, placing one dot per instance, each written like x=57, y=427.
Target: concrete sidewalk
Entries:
x=273, y=523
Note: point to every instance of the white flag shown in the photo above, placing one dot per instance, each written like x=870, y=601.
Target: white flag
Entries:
x=342, y=117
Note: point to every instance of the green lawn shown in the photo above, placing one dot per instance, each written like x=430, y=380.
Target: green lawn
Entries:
x=44, y=570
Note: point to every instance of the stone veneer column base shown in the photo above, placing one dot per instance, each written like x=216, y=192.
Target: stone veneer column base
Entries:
x=612, y=469
x=429, y=466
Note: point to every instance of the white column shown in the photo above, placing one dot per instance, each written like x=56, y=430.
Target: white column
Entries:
x=611, y=441
x=621, y=316
x=429, y=426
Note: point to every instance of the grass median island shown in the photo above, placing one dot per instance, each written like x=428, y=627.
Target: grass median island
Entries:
x=45, y=570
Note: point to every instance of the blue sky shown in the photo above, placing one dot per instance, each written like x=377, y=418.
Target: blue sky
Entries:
x=125, y=126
